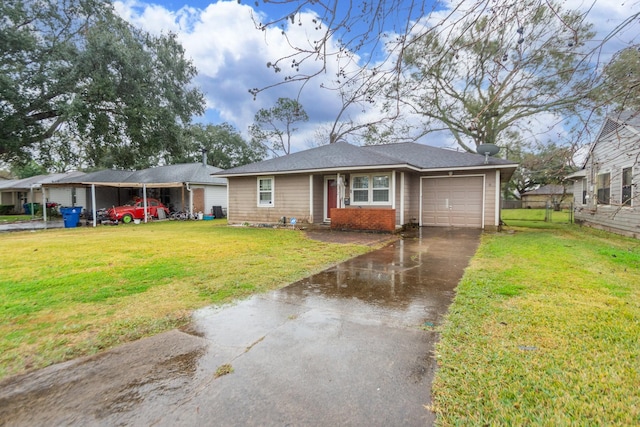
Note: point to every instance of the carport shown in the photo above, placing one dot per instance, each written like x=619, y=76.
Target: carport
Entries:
x=191, y=188
x=119, y=185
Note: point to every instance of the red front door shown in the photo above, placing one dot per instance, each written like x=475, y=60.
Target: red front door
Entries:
x=332, y=196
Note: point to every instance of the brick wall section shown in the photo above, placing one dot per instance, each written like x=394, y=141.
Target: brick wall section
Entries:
x=364, y=219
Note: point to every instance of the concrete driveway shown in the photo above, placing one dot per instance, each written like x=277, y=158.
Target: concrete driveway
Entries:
x=349, y=346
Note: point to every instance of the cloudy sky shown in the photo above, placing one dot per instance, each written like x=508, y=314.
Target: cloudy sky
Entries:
x=231, y=54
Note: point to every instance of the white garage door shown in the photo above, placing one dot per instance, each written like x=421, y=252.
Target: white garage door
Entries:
x=452, y=201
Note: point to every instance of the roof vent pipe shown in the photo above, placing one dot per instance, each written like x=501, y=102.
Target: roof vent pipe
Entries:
x=204, y=156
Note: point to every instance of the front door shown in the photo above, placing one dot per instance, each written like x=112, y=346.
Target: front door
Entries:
x=332, y=196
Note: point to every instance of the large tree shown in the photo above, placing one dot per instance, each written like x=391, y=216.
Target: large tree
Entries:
x=74, y=74
x=494, y=72
x=620, y=84
x=274, y=127
x=361, y=46
x=539, y=166
x=224, y=146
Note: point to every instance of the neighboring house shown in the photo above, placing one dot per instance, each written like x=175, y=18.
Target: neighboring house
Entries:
x=186, y=187
x=18, y=192
x=377, y=187
x=554, y=196
x=606, y=188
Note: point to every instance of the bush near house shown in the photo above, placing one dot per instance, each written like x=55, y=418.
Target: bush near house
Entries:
x=6, y=209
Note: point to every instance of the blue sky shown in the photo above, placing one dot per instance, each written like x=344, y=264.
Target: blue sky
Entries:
x=231, y=55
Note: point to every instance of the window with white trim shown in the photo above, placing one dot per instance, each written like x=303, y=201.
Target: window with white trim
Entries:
x=627, y=182
x=372, y=189
x=265, y=191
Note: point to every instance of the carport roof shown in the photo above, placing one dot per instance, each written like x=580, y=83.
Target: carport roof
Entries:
x=342, y=155
x=161, y=176
x=37, y=181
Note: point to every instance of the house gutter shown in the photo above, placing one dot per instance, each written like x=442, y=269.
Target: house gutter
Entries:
x=371, y=168
x=190, y=198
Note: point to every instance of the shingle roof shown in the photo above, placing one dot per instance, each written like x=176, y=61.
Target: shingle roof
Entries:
x=428, y=157
x=195, y=173
x=342, y=155
x=37, y=181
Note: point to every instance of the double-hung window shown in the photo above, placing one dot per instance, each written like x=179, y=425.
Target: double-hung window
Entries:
x=604, y=188
x=370, y=189
x=627, y=182
x=265, y=191
x=360, y=185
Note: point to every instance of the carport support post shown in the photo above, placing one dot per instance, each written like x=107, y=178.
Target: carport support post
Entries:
x=44, y=203
x=93, y=204
x=144, y=201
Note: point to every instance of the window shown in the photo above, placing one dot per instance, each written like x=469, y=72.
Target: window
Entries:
x=265, y=192
x=604, y=188
x=627, y=180
x=381, y=188
x=360, y=189
x=370, y=189
x=584, y=191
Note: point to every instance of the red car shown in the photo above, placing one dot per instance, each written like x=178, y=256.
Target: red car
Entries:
x=135, y=210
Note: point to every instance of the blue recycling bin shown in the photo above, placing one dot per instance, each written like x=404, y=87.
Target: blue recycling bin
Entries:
x=71, y=216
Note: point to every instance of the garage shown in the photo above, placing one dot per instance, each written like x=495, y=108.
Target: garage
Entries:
x=452, y=201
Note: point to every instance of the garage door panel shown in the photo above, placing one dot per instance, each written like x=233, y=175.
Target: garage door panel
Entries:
x=452, y=201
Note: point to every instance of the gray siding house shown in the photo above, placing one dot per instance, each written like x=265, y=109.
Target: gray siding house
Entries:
x=406, y=183
x=605, y=189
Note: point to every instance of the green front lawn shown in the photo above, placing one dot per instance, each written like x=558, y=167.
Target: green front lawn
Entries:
x=71, y=292
x=14, y=218
x=544, y=330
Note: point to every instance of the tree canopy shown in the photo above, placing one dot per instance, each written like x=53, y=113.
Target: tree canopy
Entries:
x=224, y=146
x=621, y=81
x=273, y=127
x=495, y=72
x=79, y=84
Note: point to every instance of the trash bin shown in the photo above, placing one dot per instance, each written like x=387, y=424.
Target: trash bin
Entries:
x=71, y=216
x=27, y=208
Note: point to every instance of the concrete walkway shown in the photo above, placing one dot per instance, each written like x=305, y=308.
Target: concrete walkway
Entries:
x=349, y=346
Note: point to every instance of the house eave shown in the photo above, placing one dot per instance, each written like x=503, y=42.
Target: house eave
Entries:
x=399, y=166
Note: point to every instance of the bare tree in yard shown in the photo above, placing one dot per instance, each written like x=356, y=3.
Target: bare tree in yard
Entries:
x=475, y=69
x=273, y=127
x=496, y=71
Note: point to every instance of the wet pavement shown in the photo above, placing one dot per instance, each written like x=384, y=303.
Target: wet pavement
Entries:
x=349, y=346
x=30, y=225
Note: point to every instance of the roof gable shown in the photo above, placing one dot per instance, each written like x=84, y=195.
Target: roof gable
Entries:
x=615, y=123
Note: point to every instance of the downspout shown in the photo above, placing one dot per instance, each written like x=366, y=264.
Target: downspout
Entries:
x=402, y=198
x=190, y=199
x=497, y=201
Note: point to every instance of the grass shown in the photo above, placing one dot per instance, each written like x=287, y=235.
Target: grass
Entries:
x=14, y=218
x=522, y=217
x=71, y=292
x=544, y=330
